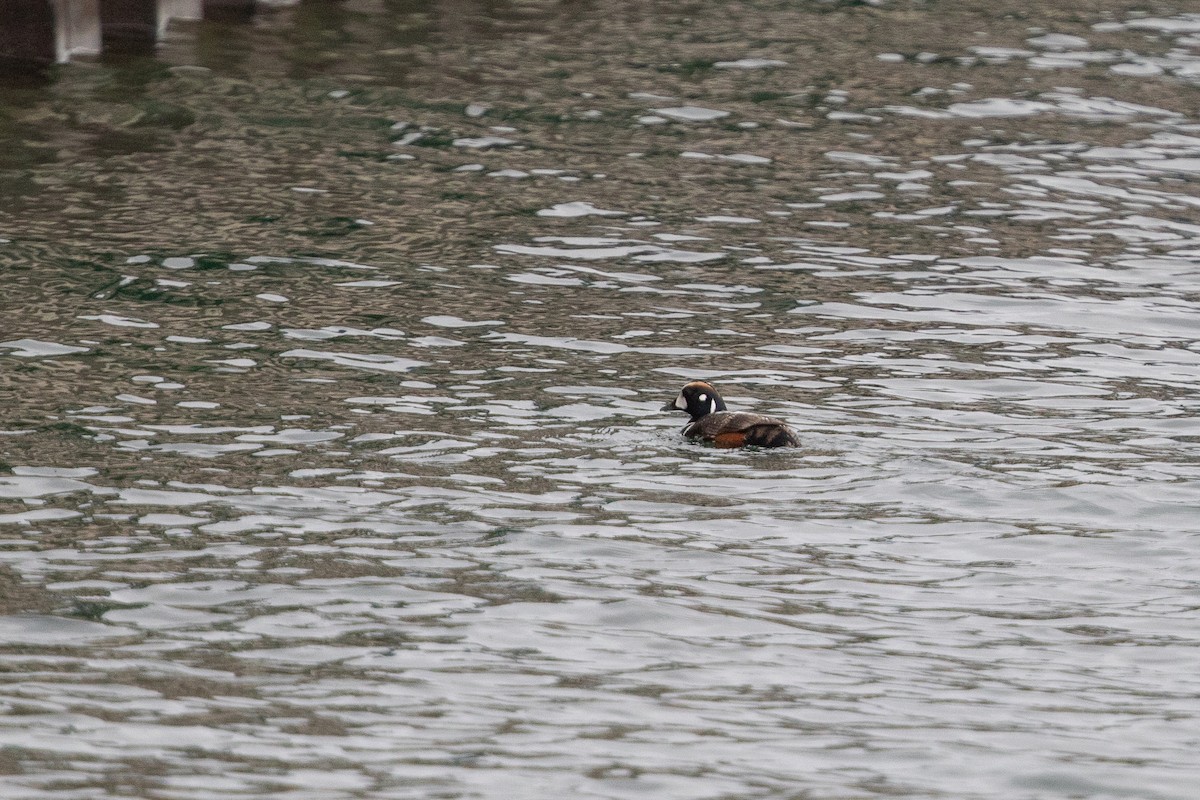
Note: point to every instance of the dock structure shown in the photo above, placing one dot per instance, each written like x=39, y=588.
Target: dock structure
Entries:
x=55, y=31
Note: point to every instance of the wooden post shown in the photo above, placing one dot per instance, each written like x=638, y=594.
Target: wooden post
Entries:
x=77, y=29
x=49, y=31
x=45, y=31
x=178, y=9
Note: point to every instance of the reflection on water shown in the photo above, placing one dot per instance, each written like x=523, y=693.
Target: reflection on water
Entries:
x=332, y=358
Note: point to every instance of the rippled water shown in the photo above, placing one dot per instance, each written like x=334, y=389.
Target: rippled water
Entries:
x=332, y=358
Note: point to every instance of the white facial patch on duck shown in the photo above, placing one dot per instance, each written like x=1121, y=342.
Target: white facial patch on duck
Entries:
x=681, y=402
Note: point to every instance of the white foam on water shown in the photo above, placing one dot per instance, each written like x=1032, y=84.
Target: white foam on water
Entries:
x=483, y=142
x=451, y=321
x=171, y=520
x=739, y=158
x=592, y=346
x=248, y=326
x=339, y=331
x=435, y=341
x=292, y=436
x=750, y=63
x=691, y=114
x=36, y=348
x=49, y=631
x=1184, y=23
x=132, y=398
x=859, y=158
x=314, y=261
x=577, y=209
x=38, y=515
x=119, y=321
x=367, y=361
x=641, y=252
x=729, y=220
x=1057, y=42
x=379, y=284
x=844, y=197
x=1138, y=69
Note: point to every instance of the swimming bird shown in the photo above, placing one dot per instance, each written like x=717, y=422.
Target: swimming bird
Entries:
x=711, y=422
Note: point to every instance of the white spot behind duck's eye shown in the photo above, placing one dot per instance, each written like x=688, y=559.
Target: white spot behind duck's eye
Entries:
x=703, y=397
x=681, y=403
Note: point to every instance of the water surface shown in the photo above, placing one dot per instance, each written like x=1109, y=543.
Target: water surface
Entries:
x=332, y=355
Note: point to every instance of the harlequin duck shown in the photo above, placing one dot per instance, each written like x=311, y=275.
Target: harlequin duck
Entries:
x=711, y=422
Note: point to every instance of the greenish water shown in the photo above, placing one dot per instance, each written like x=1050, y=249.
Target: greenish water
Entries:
x=332, y=353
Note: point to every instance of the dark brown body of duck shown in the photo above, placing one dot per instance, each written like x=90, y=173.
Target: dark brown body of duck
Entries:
x=711, y=422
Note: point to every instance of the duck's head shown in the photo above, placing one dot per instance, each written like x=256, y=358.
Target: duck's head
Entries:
x=697, y=398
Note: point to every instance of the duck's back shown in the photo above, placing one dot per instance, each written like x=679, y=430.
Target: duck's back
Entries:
x=741, y=428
